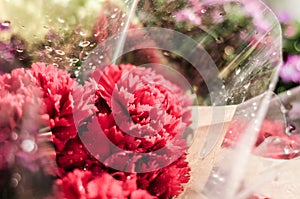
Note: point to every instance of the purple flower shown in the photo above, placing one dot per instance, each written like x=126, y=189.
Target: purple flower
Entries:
x=188, y=15
x=290, y=71
x=284, y=17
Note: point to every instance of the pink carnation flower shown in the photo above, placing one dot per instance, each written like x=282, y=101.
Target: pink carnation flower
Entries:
x=22, y=115
x=272, y=139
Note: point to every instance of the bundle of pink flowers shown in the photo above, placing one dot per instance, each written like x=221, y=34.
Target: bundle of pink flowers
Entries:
x=136, y=110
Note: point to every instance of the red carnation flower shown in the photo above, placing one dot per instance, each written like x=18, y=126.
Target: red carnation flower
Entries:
x=57, y=86
x=137, y=112
x=140, y=104
x=84, y=185
x=60, y=92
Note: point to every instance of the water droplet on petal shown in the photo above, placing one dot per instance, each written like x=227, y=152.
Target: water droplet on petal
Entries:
x=70, y=152
x=14, y=136
x=287, y=150
x=113, y=16
x=28, y=145
x=290, y=130
x=203, y=11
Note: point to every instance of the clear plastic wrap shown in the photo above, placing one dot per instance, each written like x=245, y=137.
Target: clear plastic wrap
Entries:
x=224, y=54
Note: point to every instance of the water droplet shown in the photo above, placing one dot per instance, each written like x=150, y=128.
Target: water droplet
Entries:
x=14, y=182
x=247, y=86
x=297, y=45
x=83, y=34
x=287, y=150
x=71, y=161
x=5, y=23
x=92, y=45
x=70, y=152
x=60, y=20
x=14, y=136
x=84, y=44
x=290, y=130
x=203, y=11
x=123, y=15
x=166, y=54
x=59, y=59
x=85, y=167
x=74, y=60
x=113, y=16
x=101, y=57
x=20, y=50
x=238, y=71
x=28, y=145
x=229, y=50
x=60, y=52
x=219, y=40
x=116, y=9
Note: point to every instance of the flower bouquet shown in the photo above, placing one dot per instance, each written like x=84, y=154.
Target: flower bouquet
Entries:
x=146, y=99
